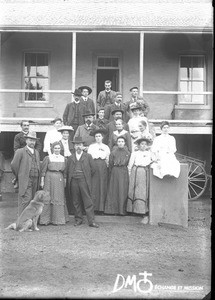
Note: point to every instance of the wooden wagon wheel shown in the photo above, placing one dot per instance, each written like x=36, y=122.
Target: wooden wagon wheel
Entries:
x=197, y=180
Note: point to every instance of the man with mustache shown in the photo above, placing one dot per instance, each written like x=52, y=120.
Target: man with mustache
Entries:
x=80, y=169
x=84, y=131
x=107, y=96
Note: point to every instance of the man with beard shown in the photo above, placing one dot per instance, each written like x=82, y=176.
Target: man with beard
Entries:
x=73, y=112
x=26, y=167
x=80, y=169
x=84, y=131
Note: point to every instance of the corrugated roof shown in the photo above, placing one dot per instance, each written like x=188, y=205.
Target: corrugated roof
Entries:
x=104, y=15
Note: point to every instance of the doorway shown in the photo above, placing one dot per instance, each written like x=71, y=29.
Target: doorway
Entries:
x=107, y=74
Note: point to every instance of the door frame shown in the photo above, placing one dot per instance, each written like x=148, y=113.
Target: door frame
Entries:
x=95, y=67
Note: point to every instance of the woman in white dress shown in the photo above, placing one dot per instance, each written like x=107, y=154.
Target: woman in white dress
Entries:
x=52, y=135
x=163, y=149
x=100, y=153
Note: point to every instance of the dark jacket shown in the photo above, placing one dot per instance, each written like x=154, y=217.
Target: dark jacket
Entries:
x=21, y=166
x=71, y=147
x=69, y=113
x=20, y=142
x=102, y=101
x=87, y=165
x=89, y=104
x=112, y=107
x=111, y=127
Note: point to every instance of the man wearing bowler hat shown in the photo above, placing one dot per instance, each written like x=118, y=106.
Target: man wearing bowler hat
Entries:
x=85, y=99
x=26, y=167
x=73, y=112
x=80, y=169
x=84, y=130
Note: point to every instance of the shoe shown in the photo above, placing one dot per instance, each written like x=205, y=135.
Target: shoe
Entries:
x=94, y=225
x=77, y=223
x=145, y=220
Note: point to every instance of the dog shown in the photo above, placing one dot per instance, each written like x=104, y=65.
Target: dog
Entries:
x=28, y=219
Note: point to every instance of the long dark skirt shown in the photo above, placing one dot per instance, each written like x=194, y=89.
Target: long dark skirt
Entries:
x=117, y=191
x=99, y=184
x=138, y=190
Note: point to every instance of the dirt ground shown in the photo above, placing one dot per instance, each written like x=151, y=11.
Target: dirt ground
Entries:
x=72, y=262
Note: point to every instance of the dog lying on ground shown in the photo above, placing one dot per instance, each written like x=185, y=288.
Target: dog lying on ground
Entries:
x=28, y=219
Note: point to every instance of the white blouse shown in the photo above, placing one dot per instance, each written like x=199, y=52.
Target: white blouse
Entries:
x=139, y=158
x=99, y=151
x=66, y=147
x=51, y=137
x=56, y=158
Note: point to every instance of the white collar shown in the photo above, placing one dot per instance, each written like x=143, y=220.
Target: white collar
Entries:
x=31, y=150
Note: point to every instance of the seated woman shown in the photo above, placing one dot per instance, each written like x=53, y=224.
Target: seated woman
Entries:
x=100, y=154
x=138, y=168
x=118, y=184
x=52, y=180
x=163, y=149
x=119, y=132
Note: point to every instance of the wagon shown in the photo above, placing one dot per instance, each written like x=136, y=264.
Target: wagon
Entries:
x=197, y=176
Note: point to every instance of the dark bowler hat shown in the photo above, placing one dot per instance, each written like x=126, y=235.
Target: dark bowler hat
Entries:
x=134, y=87
x=31, y=135
x=121, y=137
x=145, y=138
x=78, y=140
x=81, y=88
x=99, y=130
x=117, y=110
x=77, y=92
x=56, y=119
x=88, y=113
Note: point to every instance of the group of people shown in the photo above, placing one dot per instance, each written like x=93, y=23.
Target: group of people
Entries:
x=97, y=160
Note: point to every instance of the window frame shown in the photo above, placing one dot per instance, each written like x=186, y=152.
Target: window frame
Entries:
x=189, y=103
x=37, y=103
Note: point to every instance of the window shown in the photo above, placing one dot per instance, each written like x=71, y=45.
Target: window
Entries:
x=192, y=79
x=36, y=75
x=108, y=62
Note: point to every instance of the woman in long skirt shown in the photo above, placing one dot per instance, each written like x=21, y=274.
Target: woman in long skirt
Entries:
x=100, y=153
x=138, y=168
x=118, y=185
x=52, y=180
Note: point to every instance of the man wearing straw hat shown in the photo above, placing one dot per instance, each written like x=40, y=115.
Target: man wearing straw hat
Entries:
x=26, y=167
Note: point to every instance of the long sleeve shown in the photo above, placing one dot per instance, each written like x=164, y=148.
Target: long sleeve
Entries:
x=15, y=163
x=128, y=138
x=65, y=115
x=131, y=162
x=16, y=144
x=44, y=166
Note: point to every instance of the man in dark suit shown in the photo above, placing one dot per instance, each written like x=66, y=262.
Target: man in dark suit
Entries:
x=85, y=99
x=20, y=140
x=84, y=131
x=80, y=169
x=26, y=167
x=101, y=122
x=116, y=105
x=107, y=96
x=111, y=126
x=73, y=112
